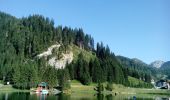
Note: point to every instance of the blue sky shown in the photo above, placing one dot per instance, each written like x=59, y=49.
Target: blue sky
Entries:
x=131, y=28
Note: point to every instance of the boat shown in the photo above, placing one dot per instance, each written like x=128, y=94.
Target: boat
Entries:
x=44, y=91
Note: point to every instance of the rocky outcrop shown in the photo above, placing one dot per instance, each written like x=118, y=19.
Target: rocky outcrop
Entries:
x=157, y=64
x=53, y=61
x=49, y=51
x=61, y=63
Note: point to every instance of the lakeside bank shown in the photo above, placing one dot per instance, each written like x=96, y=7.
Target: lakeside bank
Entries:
x=77, y=87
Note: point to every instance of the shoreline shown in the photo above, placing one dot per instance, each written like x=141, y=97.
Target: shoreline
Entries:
x=79, y=88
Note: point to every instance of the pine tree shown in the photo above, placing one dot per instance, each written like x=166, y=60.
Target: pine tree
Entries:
x=97, y=75
x=64, y=79
x=99, y=88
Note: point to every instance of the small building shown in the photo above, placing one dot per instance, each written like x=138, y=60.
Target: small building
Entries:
x=152, y=81
x=162, y=84
x=44, y=85
x=41, y=87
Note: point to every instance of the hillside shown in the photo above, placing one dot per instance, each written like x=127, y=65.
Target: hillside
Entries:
x=61, y=60
x=157, y=69
x=165, y=68
x=165, y=65
x=157, y=64
x=34, y=50
x=140, y=67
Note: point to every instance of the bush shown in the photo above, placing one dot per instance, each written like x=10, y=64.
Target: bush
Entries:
x=99, y=87
x=109, y=87
x=86, y=79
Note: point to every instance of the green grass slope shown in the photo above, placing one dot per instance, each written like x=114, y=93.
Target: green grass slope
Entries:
x=87, y=54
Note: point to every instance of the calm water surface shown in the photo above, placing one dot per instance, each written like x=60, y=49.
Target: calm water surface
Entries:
x=80, y=96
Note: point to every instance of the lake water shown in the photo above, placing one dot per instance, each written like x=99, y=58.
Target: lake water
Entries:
x=79, y=96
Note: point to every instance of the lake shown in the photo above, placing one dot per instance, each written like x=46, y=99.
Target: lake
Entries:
x=77, y=96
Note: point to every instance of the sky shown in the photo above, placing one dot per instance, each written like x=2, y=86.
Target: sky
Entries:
x=132, y=28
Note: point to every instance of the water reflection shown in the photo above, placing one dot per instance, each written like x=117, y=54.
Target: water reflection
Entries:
x=109, y=97
x=80, y=96
x=158, y=98
x=100, y=96
x=6, y=96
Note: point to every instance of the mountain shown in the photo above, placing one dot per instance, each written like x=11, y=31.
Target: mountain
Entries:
x=133, y=63
x=157, y=64
x=161, y=70
x=165, y=68
x=165, y=65
x=138, y=61
x=138, y=65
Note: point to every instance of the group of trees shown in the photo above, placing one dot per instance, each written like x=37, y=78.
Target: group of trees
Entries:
x=138, y=69
x=96, y=70
x=105, y=68
x=165, y=69
x=23, y=39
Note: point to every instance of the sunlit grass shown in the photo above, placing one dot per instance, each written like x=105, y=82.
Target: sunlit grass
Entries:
x=77, y=87
x=87, y=54
x=9, y=88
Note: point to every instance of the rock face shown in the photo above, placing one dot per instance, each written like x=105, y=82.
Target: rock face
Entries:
x=49, y=51
x=60, y=63
x=157, y=64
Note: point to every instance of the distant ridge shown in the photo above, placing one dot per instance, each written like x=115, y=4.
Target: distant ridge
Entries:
x=157, y=64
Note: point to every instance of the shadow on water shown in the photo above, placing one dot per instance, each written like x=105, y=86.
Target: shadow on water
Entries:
x=80, y=96
x=63, y=96
x=100, y=96
x=130, y=97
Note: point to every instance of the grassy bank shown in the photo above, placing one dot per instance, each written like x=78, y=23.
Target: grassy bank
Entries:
x=9, y=88
x=77, y=87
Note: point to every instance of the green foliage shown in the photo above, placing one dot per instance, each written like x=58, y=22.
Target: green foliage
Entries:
x=97, y=72
x=25, y=76
x=99, y=88
x=86, y=54
x=137, y=68
x=50, y=76
x=109, y=86
x=71, y=70
x=82, y=70
x=64, y=79
x=23, y=39
x=133, y=82
x=165, y=69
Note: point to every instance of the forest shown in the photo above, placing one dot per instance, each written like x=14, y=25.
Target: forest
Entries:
x=22, y=39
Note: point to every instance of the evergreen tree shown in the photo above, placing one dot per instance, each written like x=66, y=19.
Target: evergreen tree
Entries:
x=82, y=70
x=64, y=79
x=99, y=88
x=97, y=75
